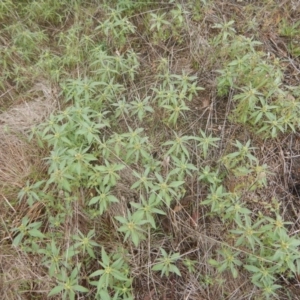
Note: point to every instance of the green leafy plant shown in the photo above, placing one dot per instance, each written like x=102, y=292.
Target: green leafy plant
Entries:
x=141, y=107
x=226, y=30
x=132, y=226
x=206, y=142
x=113, y=271
x=179, y=145
x=144, y=181
x=68, y=285
x=103, y=199
x=182, y=167
x=30, y=192
x=289, y=30
x=85, y=243
x=146, y=209
x=259, y=94
x=248, y=232
x=217, y=199
x=167, y=190
x=208, y=176
x=230, y=261
x=190, y=264
x=109, y=172
x=117, y=27
x=27, y=229
x=166, y=263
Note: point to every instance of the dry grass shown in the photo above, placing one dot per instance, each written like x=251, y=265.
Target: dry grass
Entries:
x=20, y=118
x=21, y=275
x=21, y=160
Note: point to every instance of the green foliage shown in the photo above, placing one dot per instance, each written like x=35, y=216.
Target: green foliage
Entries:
x=27, y=230
x=85, y=243
x=30, y=192
x=289, y=30
x=107, y=124
x=190, y=264
x=110, y=172
x=169, y=24
x=45, y=11
x=116, y=27
x=248, y=232
x=269, y=250
x=167, y=190
x=209, y=177
x=5, y=7
x=132, y=226
x=144, y=181
x=112, y=276
x=54, y=259
x=68, y=285
x=182, y=167
x=179, y=145
x=229, y=261
x=140, y=107
x=166, y=263
x=263, y=241
x=242, y=154
x=146, y=209
x=217, y=199
x=206, y=141
x=173, y=93
x=261, y=99
x=226, y=31
x=103, y=199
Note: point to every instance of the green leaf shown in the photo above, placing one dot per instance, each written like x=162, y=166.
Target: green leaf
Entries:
x=105, y=257
x=158, y=267
x=223, y=266
x=91, y=252
x=36, y=233
x=94, y=200
x=174, y=269
x=176, y=183
x=234, y=272
x=104, y=295
x=97, y=273
x=18, y=239
x=56, y=290
x=71, y=295
x=214, y=263
x=80, y=288
x=135, y=238
x=118, y=275
x=121, y=219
